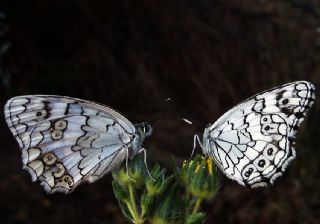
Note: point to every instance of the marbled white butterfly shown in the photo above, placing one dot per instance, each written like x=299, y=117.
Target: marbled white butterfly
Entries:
x=253, y=142
x=66, y=141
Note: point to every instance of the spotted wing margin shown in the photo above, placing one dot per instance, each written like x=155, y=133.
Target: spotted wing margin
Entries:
x=253, y=142
x=66, y=141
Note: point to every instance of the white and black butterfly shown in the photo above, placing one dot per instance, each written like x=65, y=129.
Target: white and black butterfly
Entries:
x=66, y=141
x=253, y=142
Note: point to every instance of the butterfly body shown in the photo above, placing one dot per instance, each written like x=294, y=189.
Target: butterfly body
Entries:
x=66, y=141
x=253, y=142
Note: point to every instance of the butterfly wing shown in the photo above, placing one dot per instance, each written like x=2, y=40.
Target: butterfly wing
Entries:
x=253, y=142
x=66, y=141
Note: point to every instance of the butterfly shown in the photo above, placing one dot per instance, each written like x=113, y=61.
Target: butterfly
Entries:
x=66, y=141
x=253, y=142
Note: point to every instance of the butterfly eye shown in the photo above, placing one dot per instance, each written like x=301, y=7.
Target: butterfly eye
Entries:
x=65, y=182
x=269, y=151
x=60, y=125
x=247, y=171
x=274, y=128
x=147, y=129
x=261, y=163
x=68, y=180
x=49, y=158
x=56, y=134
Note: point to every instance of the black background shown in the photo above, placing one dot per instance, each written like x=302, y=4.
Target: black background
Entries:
x=132, y=55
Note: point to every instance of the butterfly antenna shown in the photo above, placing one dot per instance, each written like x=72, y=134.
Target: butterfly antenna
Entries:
x=160, y=105
x=169, y=99
x=170, y=118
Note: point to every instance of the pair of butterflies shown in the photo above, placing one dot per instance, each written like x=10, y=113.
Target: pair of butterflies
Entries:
x=66, y=141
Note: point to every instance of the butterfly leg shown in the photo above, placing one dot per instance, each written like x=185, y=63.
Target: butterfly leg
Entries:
x=145, y=161
x=195, y=139
x=127, y=161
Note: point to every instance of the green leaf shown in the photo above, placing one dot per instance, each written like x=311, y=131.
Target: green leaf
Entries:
x=125, y=210
x=123, y=198
x=120, y=193
x=146, y=205
x=168, y=209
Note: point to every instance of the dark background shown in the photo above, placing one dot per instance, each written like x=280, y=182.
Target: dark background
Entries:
x=132, y=55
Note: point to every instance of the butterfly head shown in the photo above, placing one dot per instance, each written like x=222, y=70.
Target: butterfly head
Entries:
x=144, y=129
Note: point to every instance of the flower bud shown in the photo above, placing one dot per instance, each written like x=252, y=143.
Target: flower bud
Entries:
x=135, y=174
x=160, y=182
x=199, y=177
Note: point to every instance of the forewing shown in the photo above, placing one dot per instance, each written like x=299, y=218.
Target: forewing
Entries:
x=252, y=143
x=66, y=141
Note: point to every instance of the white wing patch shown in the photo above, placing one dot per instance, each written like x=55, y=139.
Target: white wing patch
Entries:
x=66, y=141
x=253, y=142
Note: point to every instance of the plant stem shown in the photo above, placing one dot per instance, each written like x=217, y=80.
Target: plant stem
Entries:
x=131, y=210
x=197, y=205
x=133, y=207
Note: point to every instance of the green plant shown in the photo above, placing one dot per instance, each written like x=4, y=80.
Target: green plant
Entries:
x=165, y=198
